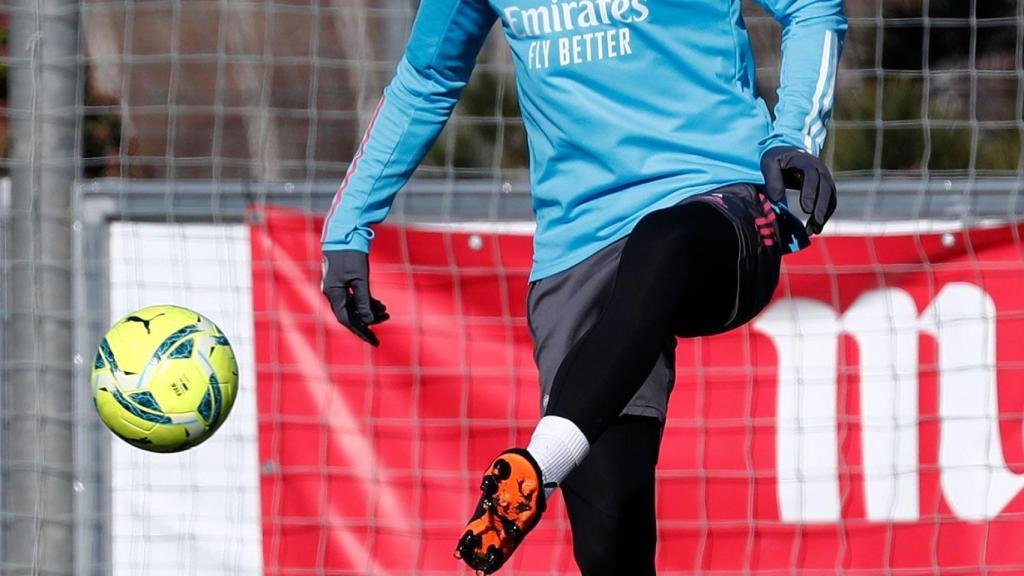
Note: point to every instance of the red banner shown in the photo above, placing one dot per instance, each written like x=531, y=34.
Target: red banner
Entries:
x=870, y=420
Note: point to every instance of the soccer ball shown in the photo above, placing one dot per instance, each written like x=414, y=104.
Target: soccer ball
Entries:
x=164, y=379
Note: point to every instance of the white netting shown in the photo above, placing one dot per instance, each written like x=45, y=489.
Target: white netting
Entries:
x=193, y=112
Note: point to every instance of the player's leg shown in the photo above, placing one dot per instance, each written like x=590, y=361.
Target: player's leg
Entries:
x=610, y=499
x=701, y=267
x=610, y=505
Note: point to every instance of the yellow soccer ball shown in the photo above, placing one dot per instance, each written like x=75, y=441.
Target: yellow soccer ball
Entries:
x=164, y=379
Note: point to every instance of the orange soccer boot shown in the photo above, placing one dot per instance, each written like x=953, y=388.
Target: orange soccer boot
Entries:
x=510, y=506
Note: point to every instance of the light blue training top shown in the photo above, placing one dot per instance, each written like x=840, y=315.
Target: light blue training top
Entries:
x=629, y=106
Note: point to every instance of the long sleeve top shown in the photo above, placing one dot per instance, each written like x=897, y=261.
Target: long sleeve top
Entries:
x=629, y=106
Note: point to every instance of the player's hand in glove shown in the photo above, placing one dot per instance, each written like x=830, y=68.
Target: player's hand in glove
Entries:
x=791, y=167
x=346, y=283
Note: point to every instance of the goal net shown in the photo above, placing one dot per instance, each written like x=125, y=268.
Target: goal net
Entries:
x=870, y=421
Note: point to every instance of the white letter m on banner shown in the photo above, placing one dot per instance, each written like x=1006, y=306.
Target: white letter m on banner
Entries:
x=975, y=479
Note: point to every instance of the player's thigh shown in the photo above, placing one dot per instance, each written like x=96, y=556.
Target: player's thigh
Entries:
x=610, y=499
x=680, y=269
x=563, y=307
x=728, y=286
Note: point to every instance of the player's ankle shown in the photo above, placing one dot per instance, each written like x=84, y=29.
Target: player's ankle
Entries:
x=558, y=446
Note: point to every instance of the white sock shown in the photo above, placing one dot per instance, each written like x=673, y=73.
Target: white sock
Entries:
x=558, y=446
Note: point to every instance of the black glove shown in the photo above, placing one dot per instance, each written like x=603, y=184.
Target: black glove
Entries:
x=791, y=167
x=346, y=283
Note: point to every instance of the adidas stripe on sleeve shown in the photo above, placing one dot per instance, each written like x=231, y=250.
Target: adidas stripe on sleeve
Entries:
x=813, y=32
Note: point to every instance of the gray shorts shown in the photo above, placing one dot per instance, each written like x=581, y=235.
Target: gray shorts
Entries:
x=561, y=308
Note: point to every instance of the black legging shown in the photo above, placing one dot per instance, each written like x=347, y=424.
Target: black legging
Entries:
x=679, y=274
x=610, y=500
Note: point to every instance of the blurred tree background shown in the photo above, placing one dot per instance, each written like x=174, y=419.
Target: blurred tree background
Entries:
x=931, y=87
x=281, y=91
